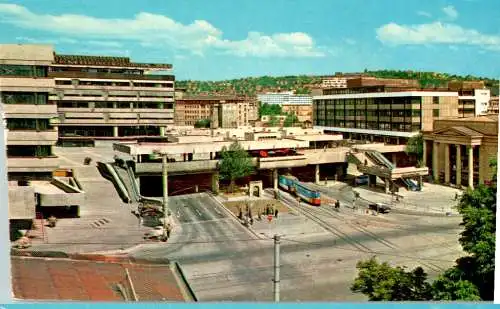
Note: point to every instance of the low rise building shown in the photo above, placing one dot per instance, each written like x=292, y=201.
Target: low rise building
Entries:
x=493, y=106
x=473, y=97
x=459, y=150
x=302, y=111
x=288, y=98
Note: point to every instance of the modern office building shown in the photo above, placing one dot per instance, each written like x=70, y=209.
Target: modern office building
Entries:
x=284, y=98
x=231, y=111
x=110, y=98
x=391, y=117
x=458, y=151
x=29, y=114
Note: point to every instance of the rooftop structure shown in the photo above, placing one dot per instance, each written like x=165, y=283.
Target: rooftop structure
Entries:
x=288, y=98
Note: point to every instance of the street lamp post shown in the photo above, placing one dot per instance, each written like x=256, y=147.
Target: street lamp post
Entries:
x=166, y=210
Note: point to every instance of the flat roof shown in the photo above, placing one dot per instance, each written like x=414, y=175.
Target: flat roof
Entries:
x=45, y=187
x=318, y=137
x=105, y=61
x=205, y=147
x=366, y=131
x=388, y=95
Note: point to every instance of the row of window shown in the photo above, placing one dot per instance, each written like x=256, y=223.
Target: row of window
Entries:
x=29, y=151
x=77, y=82
x=111, y=105
x=24, y=98
x=28, y=124
x=370, y=101
x=371, y=125
x=23, y=70
x=381, y=113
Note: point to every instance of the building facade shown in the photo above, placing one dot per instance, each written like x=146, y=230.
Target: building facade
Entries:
x=284, y=98
x=459, y=151
x=493, y=106
x=473, y=99
x=302, y=111
x=231, y=111
x=110, y=97
x=29, y=115
x=390, y=116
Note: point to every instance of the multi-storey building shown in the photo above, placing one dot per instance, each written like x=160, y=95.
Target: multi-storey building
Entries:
x=110, y=98
x=493, y=106
x=383, y=116
x=231, y=111
x=334, y=82
x=302, y=111
x=28, y=113
x=284, y=98
x=473, y=98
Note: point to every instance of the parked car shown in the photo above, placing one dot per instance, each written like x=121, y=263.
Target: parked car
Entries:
x=380, y=208
x=362, y=180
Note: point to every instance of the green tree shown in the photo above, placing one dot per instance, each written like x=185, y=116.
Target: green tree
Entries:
x=270, y=109
x=273, y=121
x=290, y=120
x=202, y=123
x=235, y=163
x=472, y=277
x=415, y=146
x=381, y=282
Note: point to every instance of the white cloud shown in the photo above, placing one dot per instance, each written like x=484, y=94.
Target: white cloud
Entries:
x=435, y=33
x=350, y=41
x=158, y=31
x=424, y=13
x=451, y=12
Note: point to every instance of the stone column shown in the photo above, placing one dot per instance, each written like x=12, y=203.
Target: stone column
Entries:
x=458, y=163
x=435, y=163
x=317, y=175
x=424, y=158
x=162, y=131
x=394, y=159
x=215, y=182
x=387, y=186
x=446, y=163
x=482, y=166
x=115, y=131
x=470, y=151
x=275, y=179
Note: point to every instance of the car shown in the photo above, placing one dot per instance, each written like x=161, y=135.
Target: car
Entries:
x=380, y=208
x=361, y=180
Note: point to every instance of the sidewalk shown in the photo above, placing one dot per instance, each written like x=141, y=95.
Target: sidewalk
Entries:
x=433, y=198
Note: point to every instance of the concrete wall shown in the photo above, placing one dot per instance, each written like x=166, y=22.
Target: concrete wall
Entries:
x=21, y=202
x=26, y=54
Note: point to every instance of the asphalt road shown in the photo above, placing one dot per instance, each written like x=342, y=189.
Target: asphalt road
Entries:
x=223, y=261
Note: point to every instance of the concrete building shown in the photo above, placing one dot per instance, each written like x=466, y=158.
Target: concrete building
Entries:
x=287, y=98
x=493, y=106
x=391, y=117
x=459, y=150
x=302, y=111
x=231, y=111
x=28, y=112
x=473, y=99
x=110, y=98
x=334, y=82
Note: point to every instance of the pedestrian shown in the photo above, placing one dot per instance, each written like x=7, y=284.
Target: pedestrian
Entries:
x=169, y=229
x=276, y=213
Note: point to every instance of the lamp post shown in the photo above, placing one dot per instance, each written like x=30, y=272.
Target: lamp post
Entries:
x=166, y=210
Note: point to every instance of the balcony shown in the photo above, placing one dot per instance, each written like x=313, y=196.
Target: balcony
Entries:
x=32, y=164
x=31, y=137
x=27, y=84
x=178, y=167
x=125, y=122
x=30, y=111
x=282, y=162
x=113, y=88
x=121, y=76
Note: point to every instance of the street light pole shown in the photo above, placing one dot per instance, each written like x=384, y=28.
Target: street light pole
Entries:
x=166, y=210
x=276, y=268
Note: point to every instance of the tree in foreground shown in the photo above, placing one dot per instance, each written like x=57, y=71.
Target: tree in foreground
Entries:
x=235, y=163
x=415, y=146
x=472, y=277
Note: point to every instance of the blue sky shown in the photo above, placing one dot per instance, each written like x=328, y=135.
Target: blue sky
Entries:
x=222, y=39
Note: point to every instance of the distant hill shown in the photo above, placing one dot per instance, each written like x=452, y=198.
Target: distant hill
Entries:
x=303, y=84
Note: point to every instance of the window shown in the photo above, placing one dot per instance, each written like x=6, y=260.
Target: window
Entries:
x=29, y=151
x=24, y=98
x=435, y=112
x=435, y=100
x=22, y=70
x=27, y=124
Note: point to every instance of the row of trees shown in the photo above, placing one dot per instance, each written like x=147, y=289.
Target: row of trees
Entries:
x=275, y=110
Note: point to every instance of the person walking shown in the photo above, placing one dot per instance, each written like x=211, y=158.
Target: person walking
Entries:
x=276, y=213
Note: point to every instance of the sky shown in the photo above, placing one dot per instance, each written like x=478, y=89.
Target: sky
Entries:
x=225, y=39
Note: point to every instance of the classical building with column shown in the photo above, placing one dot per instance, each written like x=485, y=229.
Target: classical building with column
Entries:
x=459, y=151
